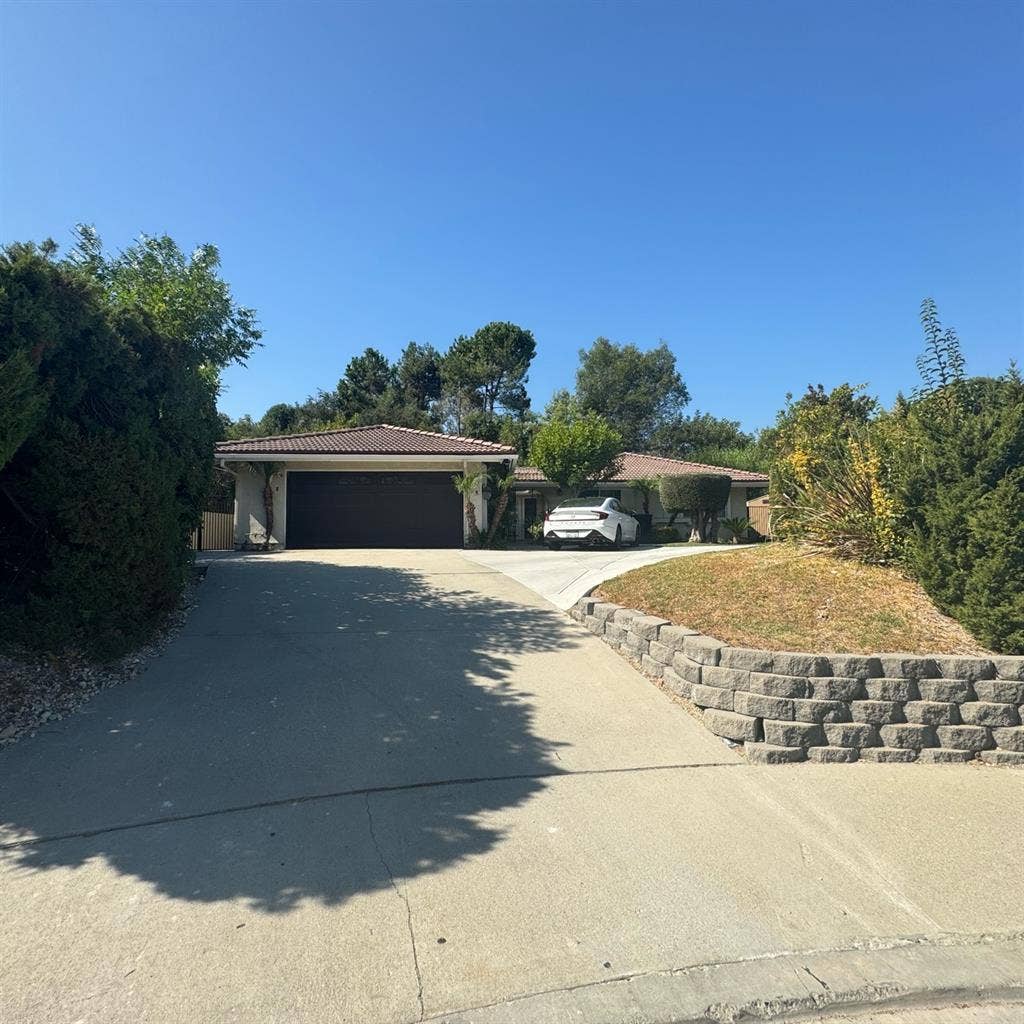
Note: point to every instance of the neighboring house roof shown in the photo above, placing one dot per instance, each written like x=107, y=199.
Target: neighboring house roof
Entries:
x=379, y=439
x=637, y=465
x=529, y=474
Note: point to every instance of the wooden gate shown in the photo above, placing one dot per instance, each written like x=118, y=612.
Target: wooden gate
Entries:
x=217, y=532
x=759, y=512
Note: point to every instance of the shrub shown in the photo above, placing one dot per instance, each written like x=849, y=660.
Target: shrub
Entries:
x=843, y=504
x=832, y=481
x=699, y=496
x=817, y=423
x=936, y=483
x=964, y=490
x=737, y=526
x=116, y=554
x=665, y=534
x=993, y=600
x=22, y=402
x=109, y=447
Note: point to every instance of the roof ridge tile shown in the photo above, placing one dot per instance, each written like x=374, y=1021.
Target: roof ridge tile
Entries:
x=300, y=433
x=378, y=437
x=623, y=468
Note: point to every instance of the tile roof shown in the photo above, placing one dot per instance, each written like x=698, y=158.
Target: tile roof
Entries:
x=635, y=465
x=529, y=473
x=379, y=439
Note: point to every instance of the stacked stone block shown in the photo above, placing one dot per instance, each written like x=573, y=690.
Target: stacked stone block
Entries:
x=787, y=707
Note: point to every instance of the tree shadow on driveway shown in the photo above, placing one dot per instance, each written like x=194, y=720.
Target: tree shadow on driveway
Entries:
x=244, y=763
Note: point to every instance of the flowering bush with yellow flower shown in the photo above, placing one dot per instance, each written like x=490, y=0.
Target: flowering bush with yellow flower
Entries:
x=831, y=484
x=936, y=484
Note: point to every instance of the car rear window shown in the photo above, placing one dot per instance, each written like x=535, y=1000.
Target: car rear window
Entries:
x=582, y=503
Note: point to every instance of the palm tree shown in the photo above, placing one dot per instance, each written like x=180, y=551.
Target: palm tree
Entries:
x=503, y=480
x=465, y=484
x=268, y=470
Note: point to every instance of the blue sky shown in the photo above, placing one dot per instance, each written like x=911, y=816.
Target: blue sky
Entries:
x=771, y=188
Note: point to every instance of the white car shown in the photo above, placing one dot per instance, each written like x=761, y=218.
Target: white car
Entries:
x=590, y=521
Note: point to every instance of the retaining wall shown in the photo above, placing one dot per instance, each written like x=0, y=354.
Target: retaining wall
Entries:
x=787, y=707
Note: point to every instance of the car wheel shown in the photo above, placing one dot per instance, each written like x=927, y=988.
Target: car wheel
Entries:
x=617, y=543
x=553, y=545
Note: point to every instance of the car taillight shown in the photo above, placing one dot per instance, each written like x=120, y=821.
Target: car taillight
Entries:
x=602, y=515
x=547, y=516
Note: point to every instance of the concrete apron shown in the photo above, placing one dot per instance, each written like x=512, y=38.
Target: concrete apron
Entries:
x=386, y=786
x=563, y=577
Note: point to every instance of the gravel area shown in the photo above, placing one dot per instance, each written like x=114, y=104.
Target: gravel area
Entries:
x=34, y=691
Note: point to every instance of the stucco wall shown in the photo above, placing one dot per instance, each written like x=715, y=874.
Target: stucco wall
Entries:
x=785, y=707
x=250, y=529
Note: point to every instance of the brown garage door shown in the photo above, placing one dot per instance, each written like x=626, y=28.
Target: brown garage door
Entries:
x=373, y=510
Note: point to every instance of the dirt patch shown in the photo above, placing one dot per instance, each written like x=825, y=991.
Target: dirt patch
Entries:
x=34, y=691
x=777, y=597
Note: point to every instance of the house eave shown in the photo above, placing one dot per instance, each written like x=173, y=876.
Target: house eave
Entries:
x=624, y=482
x=271, y=456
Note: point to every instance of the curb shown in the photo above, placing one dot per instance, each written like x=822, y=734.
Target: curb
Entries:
x=873, y=975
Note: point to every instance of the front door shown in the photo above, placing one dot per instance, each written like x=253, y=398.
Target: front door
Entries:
x=529, y=515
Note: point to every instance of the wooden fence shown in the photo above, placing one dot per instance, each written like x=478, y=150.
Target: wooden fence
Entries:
x=216, y=534
x=759, y=513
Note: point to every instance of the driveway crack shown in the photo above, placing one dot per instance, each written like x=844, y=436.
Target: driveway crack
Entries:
x=816, y=978
x=405, y=899
x=364, y=791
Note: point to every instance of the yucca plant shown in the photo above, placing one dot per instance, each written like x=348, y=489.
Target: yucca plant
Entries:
x=845, y=507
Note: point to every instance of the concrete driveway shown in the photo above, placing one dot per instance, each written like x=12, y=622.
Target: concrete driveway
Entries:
x=563, y=577
x=394, y=786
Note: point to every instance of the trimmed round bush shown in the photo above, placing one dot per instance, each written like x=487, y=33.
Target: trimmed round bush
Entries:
x=700, y=497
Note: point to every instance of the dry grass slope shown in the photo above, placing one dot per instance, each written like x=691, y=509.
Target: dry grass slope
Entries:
x=776, y=597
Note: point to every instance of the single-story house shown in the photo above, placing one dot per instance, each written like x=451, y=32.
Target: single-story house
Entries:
x=534, y=495
x=375, y=486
